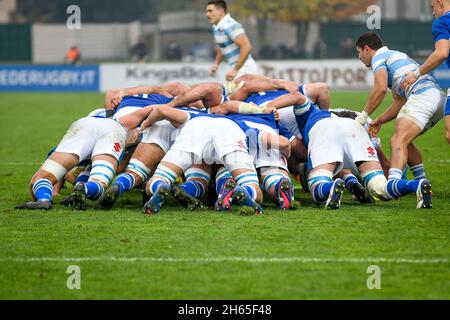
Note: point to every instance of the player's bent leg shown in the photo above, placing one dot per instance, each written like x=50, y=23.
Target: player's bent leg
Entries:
x=415, y=162
x=447, y=128
x=323, y=189
x=225, y=186
x=356, y=189
x=41, y=185
x=190, y=193
x=145, y=157
x=278, y=186
x=394, y=187
x=102, y=173
x=405, y=132
x=159, y=186
x=247, y=191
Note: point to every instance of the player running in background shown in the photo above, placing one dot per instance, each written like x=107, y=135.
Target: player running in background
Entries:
x=233, y=45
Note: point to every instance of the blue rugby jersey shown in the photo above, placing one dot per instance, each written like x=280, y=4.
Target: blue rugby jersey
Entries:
x=143, y=100
x=307, y=116
x=441, y=30
x=263, y=97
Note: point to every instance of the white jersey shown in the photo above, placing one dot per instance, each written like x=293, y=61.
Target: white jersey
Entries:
x=288, y=120
x=375, y=140
x=398, y=65
x=225, y=33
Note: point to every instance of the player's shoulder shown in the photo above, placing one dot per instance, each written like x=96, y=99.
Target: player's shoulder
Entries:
x=441, y=24
x=229, y=22
x=442, y=21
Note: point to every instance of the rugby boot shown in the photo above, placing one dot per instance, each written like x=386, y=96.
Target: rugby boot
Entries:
x=186, y=199
x=334, y=199
x=157, y=200
x=225, y=198
x=424, y=195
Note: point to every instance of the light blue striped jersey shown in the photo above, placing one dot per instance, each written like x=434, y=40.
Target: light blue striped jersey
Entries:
x=225, y=33
x=398, y=65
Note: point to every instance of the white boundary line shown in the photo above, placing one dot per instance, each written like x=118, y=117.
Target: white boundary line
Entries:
x=206, y=260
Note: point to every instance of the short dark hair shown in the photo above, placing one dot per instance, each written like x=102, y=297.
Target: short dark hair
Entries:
x=219, y=4
x=370, y=39
x=345, y=114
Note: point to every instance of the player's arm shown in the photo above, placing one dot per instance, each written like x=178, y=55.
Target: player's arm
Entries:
x=162, y=112
x=175, y=88
x=245, y=48
x=292, y=99
x=249, y=87
x=376, y=97
x=319, y=93
x=390, y=114
x=114, y=97
x=217, y=61
x=439, y=55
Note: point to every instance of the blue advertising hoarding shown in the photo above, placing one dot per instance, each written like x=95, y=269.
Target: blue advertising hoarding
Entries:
x=15, y=78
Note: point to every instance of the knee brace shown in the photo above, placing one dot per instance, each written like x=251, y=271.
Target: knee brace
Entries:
x=54, y=168
x=375, y=182
x=137, y=167
x=102, y=171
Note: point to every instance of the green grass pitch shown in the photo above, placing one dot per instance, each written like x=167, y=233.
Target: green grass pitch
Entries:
x=304, y=254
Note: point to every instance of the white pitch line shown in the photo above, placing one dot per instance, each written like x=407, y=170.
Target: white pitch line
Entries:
x=20, y=163
x=261, y=260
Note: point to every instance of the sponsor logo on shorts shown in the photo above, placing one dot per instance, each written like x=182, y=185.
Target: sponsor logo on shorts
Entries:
x=371, y=151
x=117, y=147
x=242, y=144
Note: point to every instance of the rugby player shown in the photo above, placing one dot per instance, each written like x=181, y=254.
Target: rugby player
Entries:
x=211, y=145
x=416, y=110
x=333, y=141
x=441, y=34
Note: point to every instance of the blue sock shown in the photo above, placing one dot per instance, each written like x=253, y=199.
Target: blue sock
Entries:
x=83, y=177
x=419, y=172
x=125, y=181
x=322, y=191
x=251, y=191
x=43, y=190
x=94, y=190
x=194, y=189
x=222, y=180
x=155, y=185
x=397, y=188
x=350, y=180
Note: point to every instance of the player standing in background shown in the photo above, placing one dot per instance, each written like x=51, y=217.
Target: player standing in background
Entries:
x=233, y=44
x=441, y=34
x=416, y=110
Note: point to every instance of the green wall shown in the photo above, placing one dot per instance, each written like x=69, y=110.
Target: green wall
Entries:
x=15, y=42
